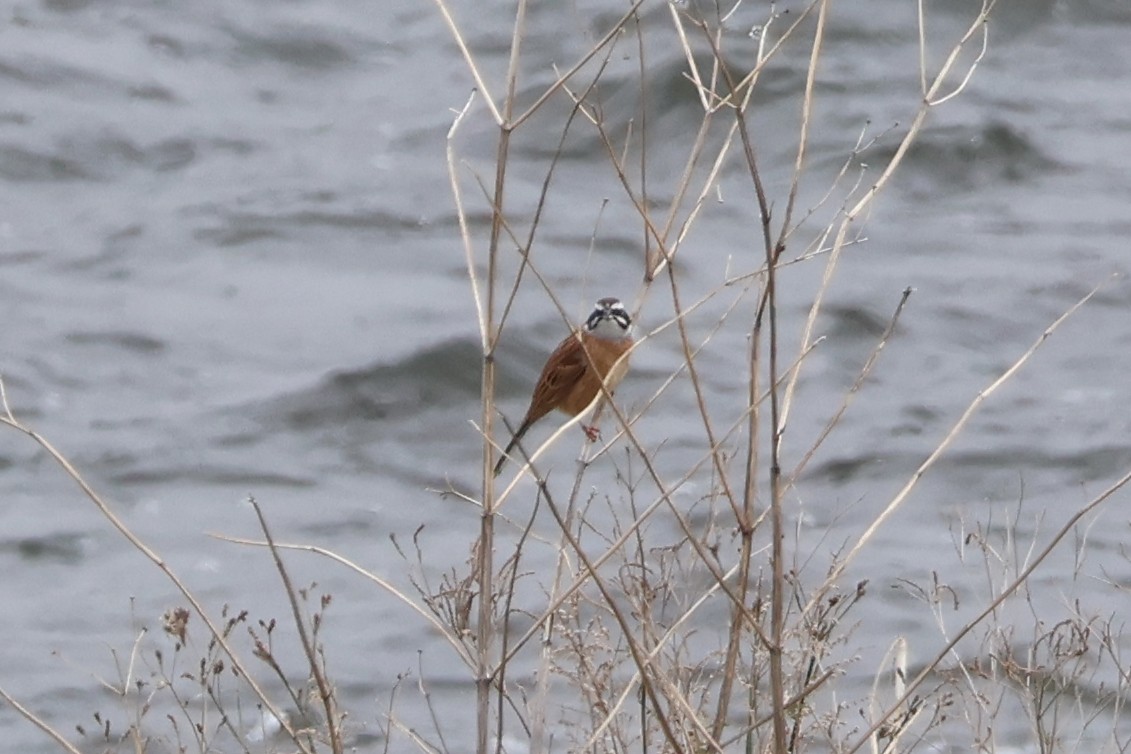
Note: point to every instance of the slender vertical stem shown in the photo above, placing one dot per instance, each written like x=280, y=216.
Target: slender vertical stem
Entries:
x=777, y=596
x=309, y=645
x=485, y=551
x=647, y=239
x=484, y=634
x=777, y=551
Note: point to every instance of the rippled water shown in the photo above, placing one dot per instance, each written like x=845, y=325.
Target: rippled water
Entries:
x=229, y=266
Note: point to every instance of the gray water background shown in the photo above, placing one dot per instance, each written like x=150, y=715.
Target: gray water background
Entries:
x=229, y=266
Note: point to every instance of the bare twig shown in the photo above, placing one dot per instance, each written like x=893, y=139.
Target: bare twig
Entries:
x=325, y=691
x=39, y=722
x=164, y=567
x=956, y=430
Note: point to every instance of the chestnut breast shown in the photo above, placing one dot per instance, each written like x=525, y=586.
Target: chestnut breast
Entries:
x=571, y=379
x=603, y=358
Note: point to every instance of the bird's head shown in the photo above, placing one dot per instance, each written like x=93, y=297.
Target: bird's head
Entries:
x=609, y=319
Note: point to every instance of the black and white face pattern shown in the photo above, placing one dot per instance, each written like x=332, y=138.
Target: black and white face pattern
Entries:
x=609, y=319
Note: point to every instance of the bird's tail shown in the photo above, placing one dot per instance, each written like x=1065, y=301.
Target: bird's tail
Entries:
x=510, y=446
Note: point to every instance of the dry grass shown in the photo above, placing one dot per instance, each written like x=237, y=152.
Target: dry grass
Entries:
x=732, y=633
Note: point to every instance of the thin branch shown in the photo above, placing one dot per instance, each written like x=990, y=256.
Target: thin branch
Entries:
x=468, y=58
x=1021, y=580
x=325, y=692
x=563, y=78
x=40, y=723
x=443, y=631
x=852, y=391
x=164, y=567
x=956, y=430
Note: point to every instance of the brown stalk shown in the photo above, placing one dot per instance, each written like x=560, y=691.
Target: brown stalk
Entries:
x=215, y=632
x=1021, y=580
x=325, y=691
x=777, y=556
x=59, y=739
x=485, y=552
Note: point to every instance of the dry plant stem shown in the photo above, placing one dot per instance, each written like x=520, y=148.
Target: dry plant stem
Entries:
x=700, y=398
x=639, y=658
x=470, y=60
x=796, y=699
x=639, y=559
x=663, y=499
x=708, y=183
x=852, y=391
x=486, y=543
x=485, y=551
x=561, y=566
x=864, y=202
x=815, y=246
x=710, y=180
x=653, y=263
x=896, y=658
x=777, y=556
x=982, y=26
x=674, y=375
x=730, y=662
x=135, y=651
x=763, y=56
x=682, y=188
x=40, y=723
x=650, y=229
x=415, y=737
x=464, y=231
x=646, y=245
x=325, y=692
x=600, y=729
x=459, y=649
x=591, y=575
x=464, y=655
x=500, y=676
x=524, y=248
x=389, y=715
x=695, y=76
x=154, y=558
x=196, y=728
x=424, y=692
x=563, y=78
x=225, y=720
x=937, y=453
x=1021, y=580
x=806, y=113
x=745, y=517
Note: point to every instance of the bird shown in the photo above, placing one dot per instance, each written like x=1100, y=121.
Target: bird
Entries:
x=572, y=376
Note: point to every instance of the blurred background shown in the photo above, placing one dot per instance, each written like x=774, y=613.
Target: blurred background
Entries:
x=230, y=266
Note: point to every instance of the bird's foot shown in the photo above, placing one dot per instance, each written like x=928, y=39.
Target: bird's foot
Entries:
x=593, y=432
